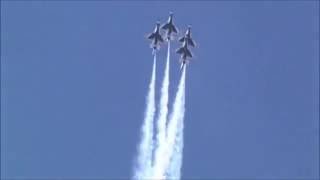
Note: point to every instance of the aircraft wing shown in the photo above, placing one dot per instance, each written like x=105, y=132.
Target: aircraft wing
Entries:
x=180, y=50
x=174, y=29
x=160, y=38
x=166, y=26
x=181, y=39
x=190, y=41
x=151, y=36
x=188, y=53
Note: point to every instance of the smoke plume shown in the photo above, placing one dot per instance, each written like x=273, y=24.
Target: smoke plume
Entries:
x=144, y=159
x=163, y=106
x=166, y=150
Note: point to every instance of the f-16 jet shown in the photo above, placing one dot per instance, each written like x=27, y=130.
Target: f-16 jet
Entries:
x=155, y=37
x=187, y=37
x=185, y=53
x=169, y=27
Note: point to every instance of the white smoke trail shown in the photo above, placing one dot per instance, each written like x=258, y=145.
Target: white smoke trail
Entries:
x=166, y=150
x=174, y=170
x=163, y=106
x=144, y=160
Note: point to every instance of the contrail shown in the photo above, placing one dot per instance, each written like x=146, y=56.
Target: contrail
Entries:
x=163, y=106
x=144, y=158
x=166, y=150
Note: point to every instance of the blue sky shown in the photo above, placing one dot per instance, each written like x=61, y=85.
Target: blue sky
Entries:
x=74, y=76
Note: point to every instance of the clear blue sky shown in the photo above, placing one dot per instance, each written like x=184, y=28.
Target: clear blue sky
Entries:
x=74, y=76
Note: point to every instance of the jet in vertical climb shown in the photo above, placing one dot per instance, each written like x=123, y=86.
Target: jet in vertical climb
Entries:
x=187, y=37
x=156, y=37
x=169, y=27
x=184, y=51
x=185, y=54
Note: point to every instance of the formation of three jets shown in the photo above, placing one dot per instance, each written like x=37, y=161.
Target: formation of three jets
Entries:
x=170, y=28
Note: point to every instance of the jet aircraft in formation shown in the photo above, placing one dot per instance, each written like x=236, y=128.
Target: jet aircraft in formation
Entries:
x=170, y=28
x=184, y=51
x=187, y=37
x=156, y=37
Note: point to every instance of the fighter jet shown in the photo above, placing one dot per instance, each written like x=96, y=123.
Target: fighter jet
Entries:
x=156, y=37
x=185, y=53
x=169, y=27
x=187, y=37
